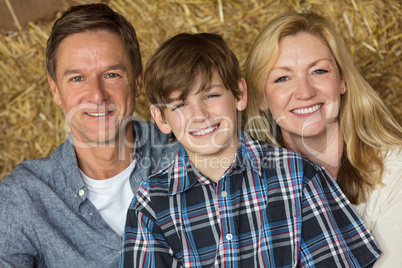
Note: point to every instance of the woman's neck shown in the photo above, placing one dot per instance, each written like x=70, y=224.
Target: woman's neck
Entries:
x=325, y=149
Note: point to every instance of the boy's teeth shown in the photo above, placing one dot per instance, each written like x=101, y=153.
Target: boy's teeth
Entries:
x=310, y=110
x=205, y=131
x=98, y=114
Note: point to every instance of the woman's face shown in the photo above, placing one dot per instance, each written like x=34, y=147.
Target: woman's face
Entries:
x=304, y=87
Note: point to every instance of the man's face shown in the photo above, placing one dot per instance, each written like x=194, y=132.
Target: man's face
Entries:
x=95, y=86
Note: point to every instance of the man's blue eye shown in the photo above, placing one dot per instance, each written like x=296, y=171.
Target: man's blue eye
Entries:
x=77, y=79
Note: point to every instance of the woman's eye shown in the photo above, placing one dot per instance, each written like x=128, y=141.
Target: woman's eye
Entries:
x=320, y=71
x=281, y=79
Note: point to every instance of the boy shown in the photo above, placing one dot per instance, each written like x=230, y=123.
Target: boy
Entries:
x=228, y=200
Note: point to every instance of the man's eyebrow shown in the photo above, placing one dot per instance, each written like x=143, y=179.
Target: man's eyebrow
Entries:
x=116, y=67
x=71, y=71
x=109, y=68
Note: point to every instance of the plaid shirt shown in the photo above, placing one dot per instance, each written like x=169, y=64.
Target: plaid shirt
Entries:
x=271, y=208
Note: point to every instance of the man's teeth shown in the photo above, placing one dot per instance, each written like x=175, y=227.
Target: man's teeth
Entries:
x=205, y=131
x=310, y=110
x=98, y=114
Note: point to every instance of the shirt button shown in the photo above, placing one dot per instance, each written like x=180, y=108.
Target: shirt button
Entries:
x=229, y=236
x=119, y=252
x=81, y=192
x=224, y=194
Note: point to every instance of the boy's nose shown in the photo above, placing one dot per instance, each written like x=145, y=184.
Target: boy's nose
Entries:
x=199, y=111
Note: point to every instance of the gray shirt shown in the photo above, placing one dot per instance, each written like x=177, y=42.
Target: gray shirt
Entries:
x=46, y=219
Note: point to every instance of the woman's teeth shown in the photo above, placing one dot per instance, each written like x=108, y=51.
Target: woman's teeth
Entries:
x=309, y=110
x=205, y=131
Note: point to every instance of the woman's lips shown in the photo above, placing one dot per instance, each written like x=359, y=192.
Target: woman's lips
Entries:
x=307, y=110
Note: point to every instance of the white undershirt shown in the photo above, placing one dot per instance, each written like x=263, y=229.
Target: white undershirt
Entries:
x=111, y=197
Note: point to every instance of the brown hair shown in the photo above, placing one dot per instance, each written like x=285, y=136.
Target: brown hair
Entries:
x=367, y=126
x=92, y=17
x=182, y=59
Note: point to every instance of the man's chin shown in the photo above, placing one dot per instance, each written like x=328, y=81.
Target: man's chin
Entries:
x=95, y=142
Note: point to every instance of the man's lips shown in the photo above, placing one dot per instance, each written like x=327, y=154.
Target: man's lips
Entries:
x=307, y=110
x=204, y=131
x=99, y=114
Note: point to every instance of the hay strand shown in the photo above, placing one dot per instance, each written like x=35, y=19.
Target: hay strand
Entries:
x=31, y=125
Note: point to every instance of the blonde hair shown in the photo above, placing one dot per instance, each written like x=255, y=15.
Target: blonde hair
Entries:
x=367, y=126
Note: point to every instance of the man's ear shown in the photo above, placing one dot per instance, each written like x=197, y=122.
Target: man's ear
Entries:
x=54, y=89
x=242, y=98
x=162, y=124
x=138, y=84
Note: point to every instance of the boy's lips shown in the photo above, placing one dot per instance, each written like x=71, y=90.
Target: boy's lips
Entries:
x=307, y=110
x=204, y=131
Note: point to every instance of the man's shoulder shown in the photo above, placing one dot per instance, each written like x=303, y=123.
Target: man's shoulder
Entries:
x=149, y=133
x=33, y=172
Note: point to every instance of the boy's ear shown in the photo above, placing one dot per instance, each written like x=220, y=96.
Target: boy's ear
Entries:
x=159, y=120
x=54, y=89
x=242, y=98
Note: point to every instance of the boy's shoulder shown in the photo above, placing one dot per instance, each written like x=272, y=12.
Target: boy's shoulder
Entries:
x=161, y=180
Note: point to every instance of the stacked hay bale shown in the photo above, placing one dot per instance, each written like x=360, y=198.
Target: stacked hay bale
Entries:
x=31, y=125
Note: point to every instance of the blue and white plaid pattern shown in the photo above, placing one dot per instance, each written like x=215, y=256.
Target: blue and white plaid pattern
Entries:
x=272, y=208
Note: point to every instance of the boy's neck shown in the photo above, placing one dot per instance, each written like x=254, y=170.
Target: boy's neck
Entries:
x=213, y=166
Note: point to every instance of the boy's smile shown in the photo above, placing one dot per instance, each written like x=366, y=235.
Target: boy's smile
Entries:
x=204, y=132
x=205, y=122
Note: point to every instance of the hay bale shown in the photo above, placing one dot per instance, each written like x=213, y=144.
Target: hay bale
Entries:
x=32, y=125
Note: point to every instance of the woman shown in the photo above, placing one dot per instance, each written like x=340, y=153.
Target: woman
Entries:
x=306, y=94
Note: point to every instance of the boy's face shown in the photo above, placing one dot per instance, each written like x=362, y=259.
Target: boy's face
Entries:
x=205, y=123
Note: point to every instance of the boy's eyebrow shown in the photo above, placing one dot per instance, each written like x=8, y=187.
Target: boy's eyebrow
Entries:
x=180, y=98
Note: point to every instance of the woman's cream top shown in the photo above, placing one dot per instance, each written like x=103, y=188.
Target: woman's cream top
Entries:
x=382, y=213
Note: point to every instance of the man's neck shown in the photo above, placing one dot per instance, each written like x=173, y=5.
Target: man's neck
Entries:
x=106, y=160
x=325, y=149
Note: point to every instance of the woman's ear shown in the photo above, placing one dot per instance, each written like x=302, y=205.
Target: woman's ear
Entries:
x=343, y=87
x=242, y=98
x=160, y=121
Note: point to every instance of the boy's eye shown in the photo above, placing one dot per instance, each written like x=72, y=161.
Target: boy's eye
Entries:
x=177, y=106
x=212, y=96
x=281, y=79
x=320, y=71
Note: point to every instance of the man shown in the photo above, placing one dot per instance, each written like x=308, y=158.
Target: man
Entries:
x=69, y=210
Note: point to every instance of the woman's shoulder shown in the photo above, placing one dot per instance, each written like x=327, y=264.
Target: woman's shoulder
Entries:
x=386, y=194
x=392, y=166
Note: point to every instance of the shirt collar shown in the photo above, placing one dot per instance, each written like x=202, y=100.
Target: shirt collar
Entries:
x=183, y=175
